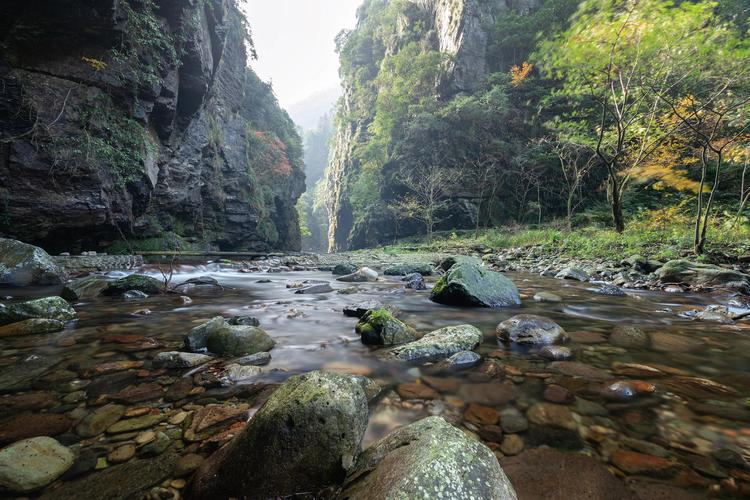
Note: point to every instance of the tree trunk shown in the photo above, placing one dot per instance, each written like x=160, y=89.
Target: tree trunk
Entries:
x=617, y=218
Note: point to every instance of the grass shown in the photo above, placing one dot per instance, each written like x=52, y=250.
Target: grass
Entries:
x=652, y=235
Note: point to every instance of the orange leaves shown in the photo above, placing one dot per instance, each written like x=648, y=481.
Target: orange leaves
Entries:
x=518, y=74
x=271, y=151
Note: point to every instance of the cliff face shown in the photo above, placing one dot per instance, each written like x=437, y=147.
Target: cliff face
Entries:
x=460, y=30
x=132, y=119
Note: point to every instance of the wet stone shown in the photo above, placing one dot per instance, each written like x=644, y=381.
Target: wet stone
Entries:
x=31, y=425
x=633, y=462
x=491, y=433
x=416, y=391
x=555, y=353
x=558, y=394
x=180, y=359
x=121, y=454
x=670, y=342
x=626, y=390
x=551, y=415
x=135, y=424
x=159, y=445
x=139, y=393
x=547, y=297
x=512, y=444
x=629, y=337
x=489, y=394
x=577, y=369
x=530, y=329
x=512, y=421
x=257, y=359
x=33, y=463
x=33, y=326
x=636, y=370
x=483, y=415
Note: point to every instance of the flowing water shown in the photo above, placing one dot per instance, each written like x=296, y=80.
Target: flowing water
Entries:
x=688, y=420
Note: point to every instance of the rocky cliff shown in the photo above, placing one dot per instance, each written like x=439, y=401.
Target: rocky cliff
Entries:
x=138, y=123
x=459, y=30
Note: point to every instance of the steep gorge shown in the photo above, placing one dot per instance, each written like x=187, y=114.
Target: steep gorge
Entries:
x=459, y=34
x=138, y=123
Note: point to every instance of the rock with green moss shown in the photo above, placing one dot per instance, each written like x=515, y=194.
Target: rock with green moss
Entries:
x=423, y=268
x=702, y=275
x=468, y=283
x=380, y=327
x=224, y=339
x=438, y=344
x=87, y=288
x=304, y=439
x=46, y=308
x=24, y=265
x=448, y=262
x=139, y=282
x=428, y=459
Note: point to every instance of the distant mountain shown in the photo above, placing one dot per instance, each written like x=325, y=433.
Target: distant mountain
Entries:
x=307, y=113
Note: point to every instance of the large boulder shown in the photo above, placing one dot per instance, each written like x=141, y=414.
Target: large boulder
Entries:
x=139, y=282
x=46, y=308
x=224, y=339
x=380, y=327
x=468, y=283
x=428, y=459
x=33, y=463
x=304, y=439
x=702, y=275
x=439, y=344
x=530, y=329
x=24, y=265
x=87, y=288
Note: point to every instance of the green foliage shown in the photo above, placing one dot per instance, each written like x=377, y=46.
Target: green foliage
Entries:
x=111, y=143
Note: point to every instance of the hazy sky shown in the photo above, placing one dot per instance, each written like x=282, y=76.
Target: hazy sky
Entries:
x=294, y=41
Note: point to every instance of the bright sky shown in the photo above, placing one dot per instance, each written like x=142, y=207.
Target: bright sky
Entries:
x=295, y=43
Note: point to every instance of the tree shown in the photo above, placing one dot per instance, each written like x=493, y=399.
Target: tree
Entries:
x=428, y=186
x=576, y=162
x=609, y=62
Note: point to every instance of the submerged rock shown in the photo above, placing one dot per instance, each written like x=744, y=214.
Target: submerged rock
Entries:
x=139, y=282
x=257, y=359
x=439, y=344
x=530, y=329
x=176, y=359
x=361, y=308
x=547, y=297
x=244, y=320
x=201, y=285
x=380, y=327
x=304, y=439
x=428, y=459
x=702, y=275
x=33, y=463
x=223, y=339
x=313, y=289
x=629, y=337
x=611, y=290
x=235, y=372
x=46, y=308
x=25, y=265
x=422, y=268
x=462, y=360
x=556, y=353
x=468, y=283
x=34, y=326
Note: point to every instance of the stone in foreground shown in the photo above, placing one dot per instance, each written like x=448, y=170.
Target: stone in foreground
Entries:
x=87, y=288
x=33, y=326
x=33, y=463
x=439, y=344
x=24, y=265
x=46, y=308
x=380, y=327
x=304, y=439
x=467, y=283
x=530, y=329
x=428, y=459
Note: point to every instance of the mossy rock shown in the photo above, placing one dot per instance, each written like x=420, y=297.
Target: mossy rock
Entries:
x=24, y=265
x=343, y=269
x=702, y=275
x=33, y=326
x=304, y=439
x=224, y=339
x=139, y=282
x=47, y=308
x=438, y=344
x=449, y=262
x=380, y=327
x=428, y=459
x=468, y=283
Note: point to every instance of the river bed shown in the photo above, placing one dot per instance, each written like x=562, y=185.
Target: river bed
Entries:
x=697, y=418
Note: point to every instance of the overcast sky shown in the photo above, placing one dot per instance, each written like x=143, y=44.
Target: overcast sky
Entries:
x=294, y=41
